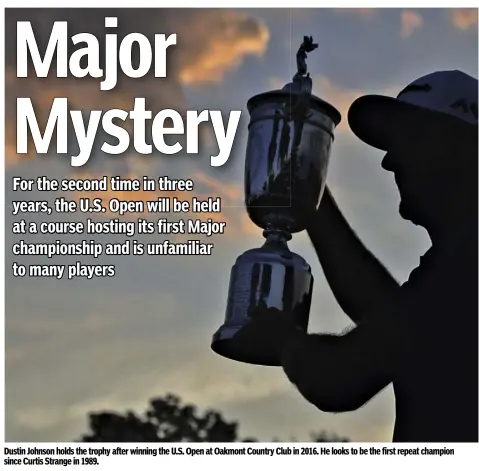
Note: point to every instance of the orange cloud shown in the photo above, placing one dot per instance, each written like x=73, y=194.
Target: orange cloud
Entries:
x=229, y=36
x=209, y=44
x=464, y=18
x=340, y=98
x=410, y=22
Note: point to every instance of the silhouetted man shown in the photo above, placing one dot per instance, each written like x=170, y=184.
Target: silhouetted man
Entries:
x=421, y=336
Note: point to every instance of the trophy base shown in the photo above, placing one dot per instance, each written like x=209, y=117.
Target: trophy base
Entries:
x=268, y=277
x=225, y=345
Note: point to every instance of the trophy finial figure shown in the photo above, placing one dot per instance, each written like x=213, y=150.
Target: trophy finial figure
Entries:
x=301, y=55
x=302, y=82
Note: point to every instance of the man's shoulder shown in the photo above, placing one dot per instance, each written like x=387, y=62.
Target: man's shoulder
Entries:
x=438, y=266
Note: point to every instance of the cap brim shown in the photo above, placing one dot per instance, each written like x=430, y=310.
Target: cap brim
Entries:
x=377, y=119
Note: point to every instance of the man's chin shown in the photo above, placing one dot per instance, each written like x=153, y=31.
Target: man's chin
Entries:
x=407, y=214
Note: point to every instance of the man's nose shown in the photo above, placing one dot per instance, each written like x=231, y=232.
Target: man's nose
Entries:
x=387, y=162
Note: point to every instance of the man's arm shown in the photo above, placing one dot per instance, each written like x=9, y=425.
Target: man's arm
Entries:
x=359, y=282
x=340, y=373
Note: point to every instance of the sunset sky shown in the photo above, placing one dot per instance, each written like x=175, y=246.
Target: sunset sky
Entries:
x=113, y=343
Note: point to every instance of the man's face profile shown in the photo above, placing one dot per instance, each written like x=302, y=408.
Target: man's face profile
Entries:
x=418, y=160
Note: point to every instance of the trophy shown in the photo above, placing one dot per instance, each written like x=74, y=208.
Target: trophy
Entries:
x=289, y=143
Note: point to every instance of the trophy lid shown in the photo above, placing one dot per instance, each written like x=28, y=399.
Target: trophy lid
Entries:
x=285, y=94
x=298, y=88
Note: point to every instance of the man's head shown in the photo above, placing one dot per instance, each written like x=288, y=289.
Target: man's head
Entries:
x=430, y=135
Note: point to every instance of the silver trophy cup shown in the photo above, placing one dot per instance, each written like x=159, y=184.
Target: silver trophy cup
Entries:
x=289, y=144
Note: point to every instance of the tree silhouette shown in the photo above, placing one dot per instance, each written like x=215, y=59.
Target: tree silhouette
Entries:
x=168, y=420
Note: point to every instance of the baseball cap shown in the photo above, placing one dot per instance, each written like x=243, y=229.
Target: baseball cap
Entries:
x=375, y=119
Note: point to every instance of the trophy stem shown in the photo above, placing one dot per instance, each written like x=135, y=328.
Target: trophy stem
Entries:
x=276, y=238
x=277, y=234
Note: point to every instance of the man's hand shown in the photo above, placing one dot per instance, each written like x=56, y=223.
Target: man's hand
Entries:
x=336, y=373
